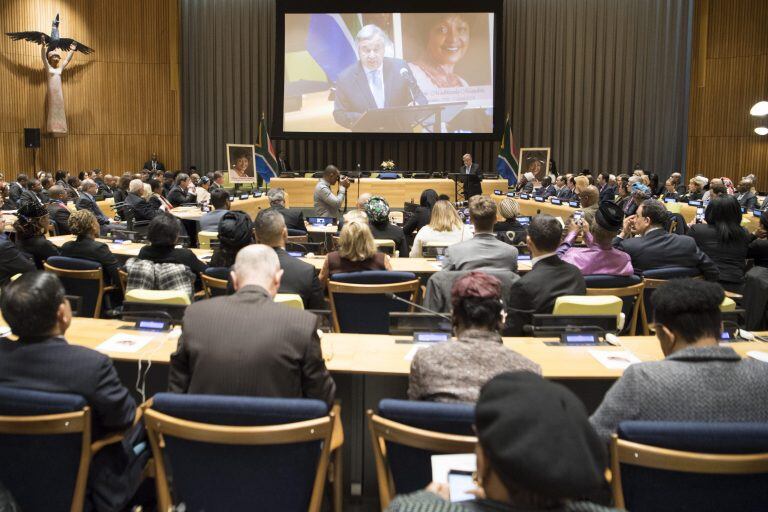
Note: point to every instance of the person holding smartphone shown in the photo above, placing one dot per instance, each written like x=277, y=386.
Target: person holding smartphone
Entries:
x=536, y=451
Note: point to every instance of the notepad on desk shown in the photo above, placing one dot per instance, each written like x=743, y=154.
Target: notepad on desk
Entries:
x=615, y=359
x=759, y=355
x=128, y=343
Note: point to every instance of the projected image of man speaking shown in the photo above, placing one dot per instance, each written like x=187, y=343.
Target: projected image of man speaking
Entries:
x=374, y=82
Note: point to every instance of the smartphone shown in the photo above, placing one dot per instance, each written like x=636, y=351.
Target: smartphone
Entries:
x=459, y=484
x=578, y=215
x=699, y=215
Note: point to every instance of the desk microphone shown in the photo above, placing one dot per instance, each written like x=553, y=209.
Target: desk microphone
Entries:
x=405, y=73
x=417, y=306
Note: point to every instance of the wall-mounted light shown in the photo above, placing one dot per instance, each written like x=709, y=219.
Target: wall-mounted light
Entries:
x=759, y=109
x=761, y=130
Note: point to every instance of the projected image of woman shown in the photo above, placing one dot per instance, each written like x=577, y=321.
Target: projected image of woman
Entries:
x=447, y=41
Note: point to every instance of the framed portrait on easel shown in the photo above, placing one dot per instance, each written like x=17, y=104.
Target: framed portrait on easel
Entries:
x=241, y=163
x=535, y=161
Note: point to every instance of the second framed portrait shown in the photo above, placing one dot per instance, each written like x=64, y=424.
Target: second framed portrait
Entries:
x=241, y=162
x=535, y=161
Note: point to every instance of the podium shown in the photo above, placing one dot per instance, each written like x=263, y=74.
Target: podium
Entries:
x=405, y=119
x=471, y=185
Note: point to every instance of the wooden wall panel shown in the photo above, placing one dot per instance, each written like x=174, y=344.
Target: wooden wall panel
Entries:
x=122, y=101
x=732, y=78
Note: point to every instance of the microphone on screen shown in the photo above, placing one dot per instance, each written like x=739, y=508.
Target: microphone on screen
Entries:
x=418, y=306
x=405, y=73
x=417, y=97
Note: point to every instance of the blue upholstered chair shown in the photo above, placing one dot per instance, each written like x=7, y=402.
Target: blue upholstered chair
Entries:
x=81, y=278
x=241, y=453
x=656, y=277
x=629, y=289
x=405, y=434
x=359, y=302
x=45, y=448
x=674, y=466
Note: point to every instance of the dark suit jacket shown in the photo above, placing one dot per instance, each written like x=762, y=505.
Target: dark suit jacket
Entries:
x=104, y=190
x=177, y=197
x=12, y=261
x=416, y=221
x=294, y=219
x=40, y=248
x=27, y=196
x=89, y=249
x=472, y=186
x=59, y=214
x=659, y=249
x=391, y=232
x=354, y=96
x=546, y=192
x=300, y=277
x=142, y=209
x=221, y=353
x=608, y=193
x=87, y=203
x=72, y=194
x=748, y=200
x=158, y=165
x=730, y=258
x=536, y=291
x=54, y=366
x=565, y=193
x=14, y=192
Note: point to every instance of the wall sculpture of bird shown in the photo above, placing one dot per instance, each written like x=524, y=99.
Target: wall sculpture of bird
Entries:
x=51, y=42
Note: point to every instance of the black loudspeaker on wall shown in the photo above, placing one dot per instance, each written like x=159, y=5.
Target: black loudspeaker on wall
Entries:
x=31, y=137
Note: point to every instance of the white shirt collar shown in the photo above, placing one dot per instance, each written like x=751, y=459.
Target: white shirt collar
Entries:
x=539, y=258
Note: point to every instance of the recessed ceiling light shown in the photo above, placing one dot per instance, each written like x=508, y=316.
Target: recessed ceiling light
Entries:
x=761, y=130
x=759, y=109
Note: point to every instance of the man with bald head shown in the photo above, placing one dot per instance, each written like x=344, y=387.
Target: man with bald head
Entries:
x=246, y=344
x=589, y=198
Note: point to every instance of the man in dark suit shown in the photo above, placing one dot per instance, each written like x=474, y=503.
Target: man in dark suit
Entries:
x=104, y=189
x=88, y=202
x=221, y=353
x=153, y=164
x=38, y=313
x=17, y=187
x=31, y=194
x=141, y=208
x=374, y=82
x=12, y=261
x=179, y=193
x=607, y=191
x=57, y=209
x=550, y=277
x=655, y=248
x=294, y=219
x=299, y=277
x=471, y=177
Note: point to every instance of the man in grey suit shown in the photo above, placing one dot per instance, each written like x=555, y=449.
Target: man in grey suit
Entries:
x=484, y=250
x=699, y=380
x=245, y=344
x=328, y=204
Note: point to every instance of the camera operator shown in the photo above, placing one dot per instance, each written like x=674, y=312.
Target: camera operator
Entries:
x=326, y=203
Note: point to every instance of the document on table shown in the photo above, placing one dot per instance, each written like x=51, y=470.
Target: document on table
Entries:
x=125, y=343
x=442, y=464
x=759, y=355
x=615, y=359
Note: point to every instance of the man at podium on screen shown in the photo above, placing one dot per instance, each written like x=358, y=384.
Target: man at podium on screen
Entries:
x=374, y=82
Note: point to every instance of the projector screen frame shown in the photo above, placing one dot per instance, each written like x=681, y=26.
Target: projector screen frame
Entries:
x=284, y=7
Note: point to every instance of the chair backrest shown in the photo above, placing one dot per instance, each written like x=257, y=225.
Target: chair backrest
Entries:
x=45, y=443
x=168, y=297
x=405, y=434
x=665, y=466
x=297, y=239
x=656, y=277
x=212, y=286
x=292, y=300
x=147, y=275
x=359, y=303
x=204, y=238
x=385, y=246
x=433, y=249
x=574, y=305
x=629, y=289
x=81, y=278
x=228, y=453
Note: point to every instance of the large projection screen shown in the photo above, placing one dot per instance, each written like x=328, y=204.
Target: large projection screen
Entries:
x=409, y=73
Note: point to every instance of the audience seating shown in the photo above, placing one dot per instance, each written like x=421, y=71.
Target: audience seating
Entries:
x=358, y=300
x=204, y=238
x=405, y=434
x=629, y=289
x=292, y=300
x=231, y=453
x=81, y=278
x=158, y=297
x=669, y=466
x=583, y=305
x=45, y=442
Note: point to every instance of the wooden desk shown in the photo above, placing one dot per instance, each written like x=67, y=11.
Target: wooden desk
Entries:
x=415, y=265
x=397, y=192
x=252, y=206
x=125, y=250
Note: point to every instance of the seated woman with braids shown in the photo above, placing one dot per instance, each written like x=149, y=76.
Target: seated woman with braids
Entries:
x=31, y=226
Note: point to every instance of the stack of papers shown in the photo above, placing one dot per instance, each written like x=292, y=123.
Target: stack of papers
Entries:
x=128, y=343
x=759, y=355
x=615, y=359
